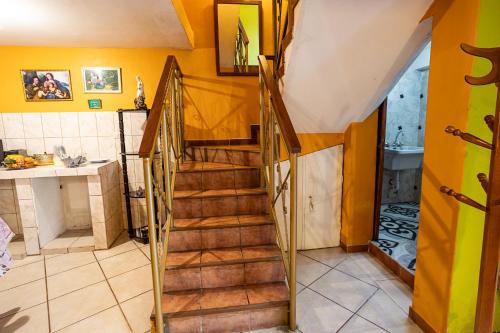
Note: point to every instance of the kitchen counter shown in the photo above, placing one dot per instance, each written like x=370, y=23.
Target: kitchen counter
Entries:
x=87, y=169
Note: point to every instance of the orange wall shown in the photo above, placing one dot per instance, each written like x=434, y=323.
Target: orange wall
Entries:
x=453, y=22
x=311, y=142
x=216, y=107
x=360, y=150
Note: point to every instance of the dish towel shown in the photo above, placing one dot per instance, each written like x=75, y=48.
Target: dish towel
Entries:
x=6, y=236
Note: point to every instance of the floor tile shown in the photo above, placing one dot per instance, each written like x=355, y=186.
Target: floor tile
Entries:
x=122, y=244
x=77, y=278
x=109, y=321
x=365, y=267
x=359, y=325
x=137, y=311
x=398, y=291
x=330, y=256
x=343, y=289
x=300, y=287
x=381, y=310
x=21, y=275
x=26, y=261
x=309, y=270
x=65, y=262
x=146, y=252
x=133, y=283
x=31, y=320
x=272, y=330
x=88, y=301
x=124, y=262
x=22, y=297
x=318, y=314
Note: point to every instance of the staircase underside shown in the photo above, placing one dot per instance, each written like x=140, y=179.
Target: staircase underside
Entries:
x=224, y=270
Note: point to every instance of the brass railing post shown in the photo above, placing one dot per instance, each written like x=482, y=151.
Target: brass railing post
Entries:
x=293, y=241
x=157, y=290
x=270, y=129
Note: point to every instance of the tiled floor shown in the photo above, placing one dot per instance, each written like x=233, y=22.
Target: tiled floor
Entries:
x=110, y=291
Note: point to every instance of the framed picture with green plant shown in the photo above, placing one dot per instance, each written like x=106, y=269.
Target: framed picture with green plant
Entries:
x=102, y=80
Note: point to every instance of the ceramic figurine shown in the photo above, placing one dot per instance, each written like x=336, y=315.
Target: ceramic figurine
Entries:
x=139, y=100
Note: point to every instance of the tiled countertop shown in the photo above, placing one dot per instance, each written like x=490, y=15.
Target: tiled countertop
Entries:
x=87, y=169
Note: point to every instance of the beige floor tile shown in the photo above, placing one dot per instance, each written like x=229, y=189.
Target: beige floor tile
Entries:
x=122, y=244
x=123, y=262
x=21, y=275
x=300, y=287
x=398, y=291
x=137, y=311
x=317, y=314
x=309, y=270
x=65, y=262
x=22, y=297
x=146, y=251
x=359, y=325
x=109, y=321
x=331, y=256
x=381, y=310
x=26, y=261
x=344, y=289
x=31, y=320
x=365, y=267
x=133, y=283
x=83, y=244
x=74, y=279
x=80, y=304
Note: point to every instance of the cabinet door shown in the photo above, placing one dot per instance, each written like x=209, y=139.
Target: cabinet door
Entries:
x=321, y=199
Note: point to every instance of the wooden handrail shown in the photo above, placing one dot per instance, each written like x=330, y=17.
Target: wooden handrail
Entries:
x=243, y=32
x=286, y=128
x=153, y=121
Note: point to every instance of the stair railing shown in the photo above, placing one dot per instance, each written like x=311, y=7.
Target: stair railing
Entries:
x=276, y=131
x=162, y=151
x=241, y=54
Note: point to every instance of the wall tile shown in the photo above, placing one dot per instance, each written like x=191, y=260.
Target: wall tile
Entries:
x=27, y=213
x=94, y=183
x=31, y=241
x=90, y=147
x=69, y=124
x=7, y=204
x=137, y=121
x=32, y=123
x=11, y=220
x=23, y=188
x=105, y=124
x=6, y=184
x=50, y=143
x=11, y=144
x=2, y=132
x=107, y=148
x=51, y=125
x=73, y=146
x=35, y=146
x=13, y=125
x=88, y=124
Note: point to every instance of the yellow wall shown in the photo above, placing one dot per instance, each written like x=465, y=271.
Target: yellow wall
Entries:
x=453, y=22
x=311, y=142
x=360, y=151
x=216, y=107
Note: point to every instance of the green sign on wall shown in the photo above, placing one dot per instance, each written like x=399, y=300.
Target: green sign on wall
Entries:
x=95, y=104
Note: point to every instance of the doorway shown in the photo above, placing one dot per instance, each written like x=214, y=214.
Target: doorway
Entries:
x=400, y=151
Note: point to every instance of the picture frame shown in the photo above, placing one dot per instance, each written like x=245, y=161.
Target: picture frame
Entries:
x=46, y=85
x=102, y=80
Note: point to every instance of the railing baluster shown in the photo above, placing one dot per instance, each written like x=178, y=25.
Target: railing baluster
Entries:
x=262, y=132
x=293, y=241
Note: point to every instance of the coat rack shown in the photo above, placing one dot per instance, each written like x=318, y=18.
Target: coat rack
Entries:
x=485, y=307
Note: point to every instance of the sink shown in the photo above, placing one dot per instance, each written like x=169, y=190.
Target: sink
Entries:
x=402, y=158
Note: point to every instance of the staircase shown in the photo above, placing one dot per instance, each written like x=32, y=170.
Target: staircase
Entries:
x=224, y=270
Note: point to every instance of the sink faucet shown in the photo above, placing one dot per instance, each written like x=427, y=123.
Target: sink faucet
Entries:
x=397, y=140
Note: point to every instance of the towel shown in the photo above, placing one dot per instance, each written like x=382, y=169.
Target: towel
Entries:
x=6, y=236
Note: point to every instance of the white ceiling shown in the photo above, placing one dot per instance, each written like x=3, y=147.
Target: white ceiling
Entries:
x=346, y=56
x=91, y=23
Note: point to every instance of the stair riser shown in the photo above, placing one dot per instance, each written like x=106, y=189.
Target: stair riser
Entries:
x=231, y=322
x=221, y=206
x=224, y=275
x=217, y=180
x=194, y=240
x=249, y=158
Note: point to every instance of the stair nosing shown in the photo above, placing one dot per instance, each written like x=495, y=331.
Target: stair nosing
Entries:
x=231, y=167
x=202, y=196
x=211, y=227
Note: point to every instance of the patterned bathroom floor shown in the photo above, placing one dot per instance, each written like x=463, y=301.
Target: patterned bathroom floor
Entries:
x=398, y=232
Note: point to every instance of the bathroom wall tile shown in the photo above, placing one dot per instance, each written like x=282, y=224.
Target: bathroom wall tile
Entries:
x=88, y=124
x=23, y=188
x=13, y=125
x=51, y=125
x=90, y=147
x=50, y=143
x=73, y=146
x=69, y=124
x=32, y=123
x=11, y=144
x=105, y=124
x=35, y=146
x=31, y=241
x=107, y=148
x=7, y=204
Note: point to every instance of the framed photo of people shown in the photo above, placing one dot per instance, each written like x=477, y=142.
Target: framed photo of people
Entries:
x=102, y=80
x=46, y=85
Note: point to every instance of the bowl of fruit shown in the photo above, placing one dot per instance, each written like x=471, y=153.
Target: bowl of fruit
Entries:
x=18, y=162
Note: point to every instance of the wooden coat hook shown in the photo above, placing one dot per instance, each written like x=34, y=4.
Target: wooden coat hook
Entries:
x=468, y=137
x=490, y=121
x=483, y=179
x=462, y=198
x=493, y=55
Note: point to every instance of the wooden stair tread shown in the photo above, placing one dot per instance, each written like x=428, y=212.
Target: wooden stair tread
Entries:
x=221, y=300
x=226, y=256
x=248, y=148
x=196, y=166
x=190, y=194
x=200, y=223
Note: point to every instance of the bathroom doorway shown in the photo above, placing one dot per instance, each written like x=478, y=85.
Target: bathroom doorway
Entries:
x=400, y=153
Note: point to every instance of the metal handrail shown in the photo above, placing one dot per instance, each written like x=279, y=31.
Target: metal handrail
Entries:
x=162, y=151
x=276, y=127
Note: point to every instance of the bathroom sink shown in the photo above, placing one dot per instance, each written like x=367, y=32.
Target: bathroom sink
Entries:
x=402, y=158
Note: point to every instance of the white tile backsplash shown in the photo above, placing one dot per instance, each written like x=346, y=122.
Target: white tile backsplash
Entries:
x=13, y=125
x=73, y=146
x=35, y=146
x=51, y=125
x=90, y=147
x=107, y=147
x=88, y=124
x=2, y=132
x=137, y=121
x=11, y=144
x=50, y=143
x=105, y=124
x=32, y=123
x=69, y=124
